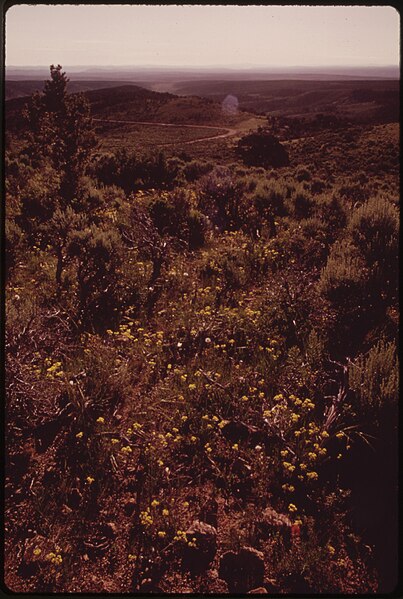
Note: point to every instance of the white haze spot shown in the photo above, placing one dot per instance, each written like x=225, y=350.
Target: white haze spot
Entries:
x=230, y=104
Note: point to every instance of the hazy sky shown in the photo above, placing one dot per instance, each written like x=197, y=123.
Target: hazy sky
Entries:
x=194, y=35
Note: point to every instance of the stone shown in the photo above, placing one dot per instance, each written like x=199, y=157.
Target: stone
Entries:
x=258, y=591
x=272, y=522
x=275, y=519
x=198, y=558
x=74, y=498
x=242, y=571
x=209, y=512
x=235, y=431
x=130, y=506
x=111, y=529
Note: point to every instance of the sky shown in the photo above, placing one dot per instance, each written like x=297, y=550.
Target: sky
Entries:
x=200, y=35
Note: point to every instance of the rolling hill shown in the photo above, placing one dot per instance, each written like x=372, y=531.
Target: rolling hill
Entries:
x=364, y=100
x=134, y=103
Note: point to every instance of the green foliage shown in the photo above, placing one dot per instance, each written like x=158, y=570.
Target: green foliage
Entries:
x=194, y=169
x=132, y=172
x=60, y=129
x=262, y=149
x=173, y=215
x=221, y=199
x=306, y=242
x=343, y=278
x=360, y=276
x=99, y=254
x=374, y=230
x=374, y=377
x=15, y=245
x=269, y=198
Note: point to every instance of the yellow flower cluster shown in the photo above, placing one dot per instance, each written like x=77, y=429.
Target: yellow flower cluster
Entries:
x=145, y=518
x=53, y=370
x=55, y=558
x=182, y=537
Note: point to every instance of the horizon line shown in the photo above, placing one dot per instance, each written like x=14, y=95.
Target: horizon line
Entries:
x=221, y=66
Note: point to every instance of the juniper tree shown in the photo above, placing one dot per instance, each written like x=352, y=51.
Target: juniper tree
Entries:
x=61, y=131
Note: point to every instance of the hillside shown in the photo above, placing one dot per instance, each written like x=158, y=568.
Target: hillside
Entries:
x=135, y=103
x=130, y=102
x=202, y=346
x=360, y=100
x=19, y=89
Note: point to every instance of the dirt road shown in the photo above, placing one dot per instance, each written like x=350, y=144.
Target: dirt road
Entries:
x=227, y=133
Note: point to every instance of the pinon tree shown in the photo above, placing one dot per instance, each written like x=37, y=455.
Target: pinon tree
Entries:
x=61, y=130
x=55, y=202
x=261, y=148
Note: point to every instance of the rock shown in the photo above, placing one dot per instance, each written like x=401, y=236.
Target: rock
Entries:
x=215, y=584
x=235, y=431
x=111, y=529
x=258, y=591
x=276, y=519
x=198, y=558
x=272, y=522
x=242, y=571
x=130, y=506
x=209, y=511
x=74, y=498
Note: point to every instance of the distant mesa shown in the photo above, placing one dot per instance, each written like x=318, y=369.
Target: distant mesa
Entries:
x=230, y=104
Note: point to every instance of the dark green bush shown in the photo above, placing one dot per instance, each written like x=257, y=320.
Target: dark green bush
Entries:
x=374, y=377
x=99, y=254
x=196, y=168
x=343, y=278
x=221, y=199
x=374, y=230
x=173, y=215
x=262, y=149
